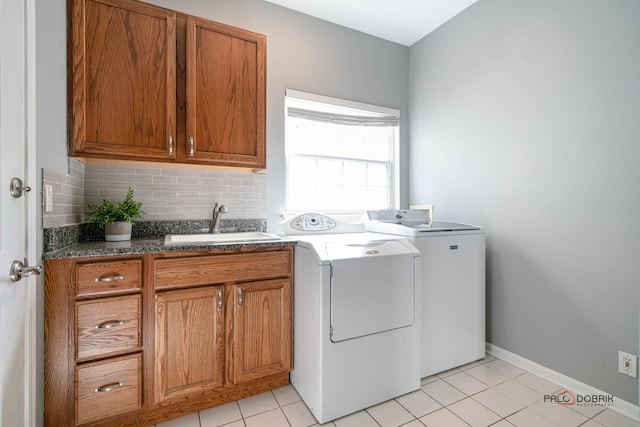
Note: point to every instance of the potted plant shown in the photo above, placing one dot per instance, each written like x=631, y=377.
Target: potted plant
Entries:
x=116, y=218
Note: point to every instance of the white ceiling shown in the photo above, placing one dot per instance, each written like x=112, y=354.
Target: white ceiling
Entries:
x=401, y=21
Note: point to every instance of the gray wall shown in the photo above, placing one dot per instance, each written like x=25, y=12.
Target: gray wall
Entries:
x=525, y=119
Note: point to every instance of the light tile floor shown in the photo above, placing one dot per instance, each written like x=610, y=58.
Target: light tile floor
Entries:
x=489, y=392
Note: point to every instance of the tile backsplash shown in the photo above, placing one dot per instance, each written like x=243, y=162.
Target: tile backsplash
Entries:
x=68, y=195
x=177, y=193
x=166, y=194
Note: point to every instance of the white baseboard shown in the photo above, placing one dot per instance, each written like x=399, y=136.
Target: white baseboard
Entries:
x=623, y=407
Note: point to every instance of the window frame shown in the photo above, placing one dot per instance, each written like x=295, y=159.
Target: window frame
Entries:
x=393, y=163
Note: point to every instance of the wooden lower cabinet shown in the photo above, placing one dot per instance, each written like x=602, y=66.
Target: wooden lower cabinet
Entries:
x=137, y=340
x=261, y=325
x=189, y=342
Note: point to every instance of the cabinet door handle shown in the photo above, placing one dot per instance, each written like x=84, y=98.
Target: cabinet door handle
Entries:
x=239, y=297
x=170, y=145
x=219, y=299
x=108, y=387
x=191, y=146
x=109, y=324
x=109, y=279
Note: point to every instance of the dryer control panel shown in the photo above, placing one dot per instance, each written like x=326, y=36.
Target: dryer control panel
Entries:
x=313, y=222
x=317, y=223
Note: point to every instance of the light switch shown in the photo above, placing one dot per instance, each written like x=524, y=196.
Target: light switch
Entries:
x=48, y=198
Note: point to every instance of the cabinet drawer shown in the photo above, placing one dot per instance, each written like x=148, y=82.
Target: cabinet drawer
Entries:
x=107, y=277
x=214, y=269
x=108, y=388
x=107, y=325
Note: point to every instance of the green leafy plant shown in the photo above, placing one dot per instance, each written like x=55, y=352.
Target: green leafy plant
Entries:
x=108, y=212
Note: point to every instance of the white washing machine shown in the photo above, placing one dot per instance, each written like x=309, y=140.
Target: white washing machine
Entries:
x=356, y=331
x=452, y=302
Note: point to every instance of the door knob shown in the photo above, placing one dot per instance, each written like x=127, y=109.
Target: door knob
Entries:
x=21, y=269
x=16, y=188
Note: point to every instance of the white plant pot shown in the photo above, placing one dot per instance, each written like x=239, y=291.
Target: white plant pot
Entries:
x=117, y=231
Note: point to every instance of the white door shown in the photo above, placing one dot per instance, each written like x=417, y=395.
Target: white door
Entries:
x=17, y=299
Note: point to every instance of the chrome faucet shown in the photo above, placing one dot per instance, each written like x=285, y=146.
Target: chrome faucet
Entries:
x=215, y=220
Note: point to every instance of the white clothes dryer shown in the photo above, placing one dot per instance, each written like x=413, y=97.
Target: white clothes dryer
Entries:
x=356, y=332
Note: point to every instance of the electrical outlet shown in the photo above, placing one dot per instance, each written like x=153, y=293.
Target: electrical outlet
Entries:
x=627, y=364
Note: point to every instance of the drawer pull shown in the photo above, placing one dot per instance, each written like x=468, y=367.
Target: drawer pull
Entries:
x=109, y=279
x=219, y=299
x=109, y=324
x=108, y=387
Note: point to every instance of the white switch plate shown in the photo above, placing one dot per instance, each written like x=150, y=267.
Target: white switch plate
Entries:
x=48, y=198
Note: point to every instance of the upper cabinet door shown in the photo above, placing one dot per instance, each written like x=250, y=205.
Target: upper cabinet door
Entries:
x=122, y=88
x=226, y=95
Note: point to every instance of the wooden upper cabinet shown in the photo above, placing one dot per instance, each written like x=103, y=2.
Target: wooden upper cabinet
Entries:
x=150, y=84
x=122, y=80
x=226, y=94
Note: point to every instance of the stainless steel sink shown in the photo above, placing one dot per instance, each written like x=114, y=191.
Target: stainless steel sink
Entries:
x=240, y=237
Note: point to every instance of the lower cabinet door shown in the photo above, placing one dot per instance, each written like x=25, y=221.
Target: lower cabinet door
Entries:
x=189, y=342
x=108, y=388
x=262, y=330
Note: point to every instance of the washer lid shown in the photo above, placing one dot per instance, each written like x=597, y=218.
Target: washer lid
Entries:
x=398, y=216
x=411, y=222
x=439, y=226
x=418, y=229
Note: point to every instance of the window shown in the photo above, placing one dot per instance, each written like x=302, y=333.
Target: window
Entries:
x=340, y=154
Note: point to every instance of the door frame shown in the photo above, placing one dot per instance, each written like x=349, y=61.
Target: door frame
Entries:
x=31, y=346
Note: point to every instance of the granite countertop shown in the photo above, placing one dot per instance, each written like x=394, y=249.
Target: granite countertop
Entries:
x=150, y=246
x=86, y=240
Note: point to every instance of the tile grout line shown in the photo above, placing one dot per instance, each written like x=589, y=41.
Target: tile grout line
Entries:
x=438, y=377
